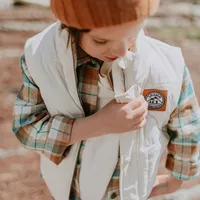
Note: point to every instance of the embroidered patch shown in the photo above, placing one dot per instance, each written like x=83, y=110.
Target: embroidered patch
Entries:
x=157, y=99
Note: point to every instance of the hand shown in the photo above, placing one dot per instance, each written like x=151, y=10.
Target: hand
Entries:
x=161, y=179
x=119, y=118
x=113, y=118
x=165, y=184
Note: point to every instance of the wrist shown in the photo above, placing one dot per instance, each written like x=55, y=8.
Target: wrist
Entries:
x=85, y=128
x=97, y=126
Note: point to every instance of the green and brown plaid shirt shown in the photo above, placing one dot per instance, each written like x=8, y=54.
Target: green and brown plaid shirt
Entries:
x=33, y=125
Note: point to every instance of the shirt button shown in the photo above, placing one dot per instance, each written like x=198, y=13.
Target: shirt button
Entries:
x=114, y=195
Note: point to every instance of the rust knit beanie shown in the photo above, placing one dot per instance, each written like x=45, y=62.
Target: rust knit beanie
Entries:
x=90, y=14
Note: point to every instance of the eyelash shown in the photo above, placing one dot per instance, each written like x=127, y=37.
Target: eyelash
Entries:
x=100, y=43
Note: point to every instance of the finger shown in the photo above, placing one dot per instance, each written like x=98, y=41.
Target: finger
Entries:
x=139, y=125
x=138, y=102
x=145, y=114
x=130, y=106
x=146, y=105
x=143, y=123
x=135, y=103
x=138, y=112
x=138, y=120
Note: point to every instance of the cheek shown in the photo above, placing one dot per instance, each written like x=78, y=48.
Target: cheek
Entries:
x=92, y=49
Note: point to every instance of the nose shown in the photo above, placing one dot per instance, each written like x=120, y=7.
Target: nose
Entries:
x=120, y=49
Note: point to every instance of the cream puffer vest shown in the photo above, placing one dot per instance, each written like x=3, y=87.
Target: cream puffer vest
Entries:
x=155, y=67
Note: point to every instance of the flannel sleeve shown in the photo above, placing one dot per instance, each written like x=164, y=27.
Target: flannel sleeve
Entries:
x=183, y=158
x=34, y=127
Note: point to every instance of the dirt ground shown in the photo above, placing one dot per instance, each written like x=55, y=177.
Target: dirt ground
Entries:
x=19, y=168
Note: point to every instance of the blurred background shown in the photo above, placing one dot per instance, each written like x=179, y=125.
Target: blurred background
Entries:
x=177, y=23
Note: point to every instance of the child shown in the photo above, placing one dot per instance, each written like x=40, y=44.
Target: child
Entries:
x=83, y=104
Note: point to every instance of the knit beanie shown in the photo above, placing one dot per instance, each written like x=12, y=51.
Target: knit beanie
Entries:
x=90, y=14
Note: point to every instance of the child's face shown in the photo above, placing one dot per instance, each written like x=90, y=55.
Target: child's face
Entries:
x=110, y=43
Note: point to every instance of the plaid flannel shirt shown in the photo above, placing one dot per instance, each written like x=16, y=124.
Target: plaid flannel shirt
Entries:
x=34, y=126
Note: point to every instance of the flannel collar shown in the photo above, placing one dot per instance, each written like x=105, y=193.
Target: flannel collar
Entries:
x=84, y=58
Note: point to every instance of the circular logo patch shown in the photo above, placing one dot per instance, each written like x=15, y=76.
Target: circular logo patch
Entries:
x=155, y=100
